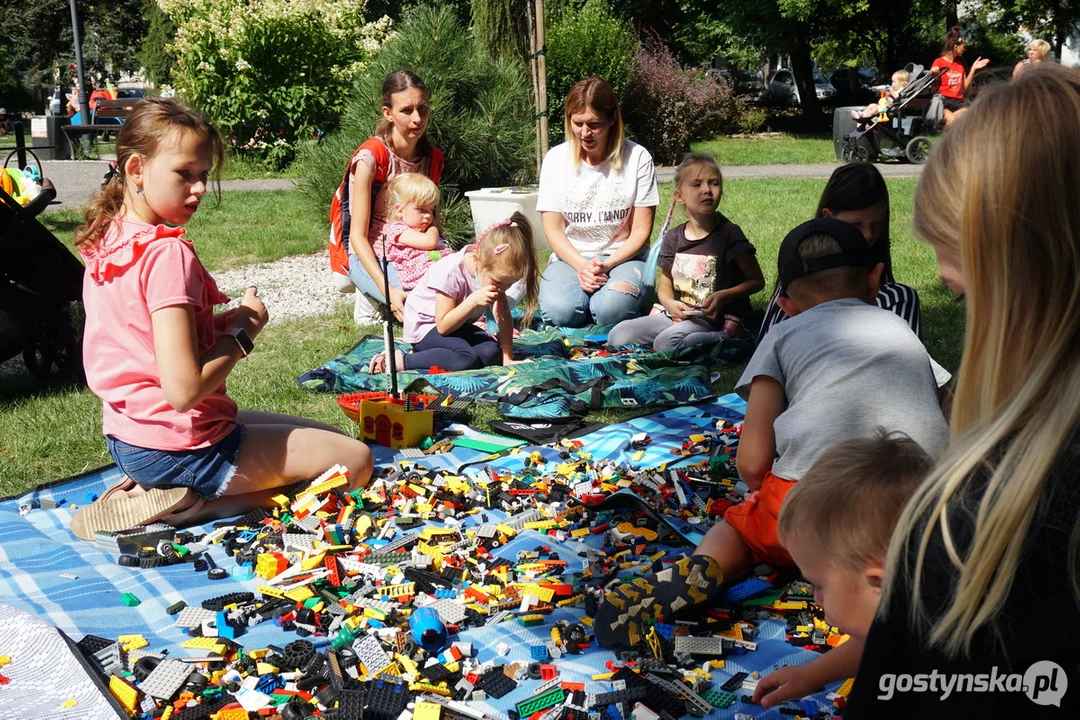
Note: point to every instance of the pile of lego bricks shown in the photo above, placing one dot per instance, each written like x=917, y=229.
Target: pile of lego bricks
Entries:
x=462, y=594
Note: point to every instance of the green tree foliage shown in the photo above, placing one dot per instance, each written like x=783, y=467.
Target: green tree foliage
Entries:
x=37, y=37
x=156, y=58
x=503, y=26
x=270, y=72
x=584, y=40
x=481, y=114
x=1053, y=20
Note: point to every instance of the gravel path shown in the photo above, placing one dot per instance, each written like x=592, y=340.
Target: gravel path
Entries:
x=290, y=288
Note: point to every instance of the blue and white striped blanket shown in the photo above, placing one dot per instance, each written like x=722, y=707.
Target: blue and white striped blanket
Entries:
x=37, y=550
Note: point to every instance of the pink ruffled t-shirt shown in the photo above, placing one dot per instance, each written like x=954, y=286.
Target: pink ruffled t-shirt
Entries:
x=410, y=263
x=136, y=270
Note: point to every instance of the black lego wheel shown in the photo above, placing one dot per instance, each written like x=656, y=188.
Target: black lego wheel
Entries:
x=918, y=150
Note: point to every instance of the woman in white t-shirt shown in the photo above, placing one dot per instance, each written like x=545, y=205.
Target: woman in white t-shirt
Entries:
x=597, y=198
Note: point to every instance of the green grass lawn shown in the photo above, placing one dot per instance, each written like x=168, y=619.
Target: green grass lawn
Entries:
x=247, y=227
x=54, y=431
x=770, y=149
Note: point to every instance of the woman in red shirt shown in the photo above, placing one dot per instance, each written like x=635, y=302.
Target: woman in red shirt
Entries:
x=955, y=78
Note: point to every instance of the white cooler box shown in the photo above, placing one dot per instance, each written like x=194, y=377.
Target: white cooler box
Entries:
x=490, y=205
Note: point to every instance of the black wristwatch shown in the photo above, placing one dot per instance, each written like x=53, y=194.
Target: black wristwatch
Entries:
x=242, y=339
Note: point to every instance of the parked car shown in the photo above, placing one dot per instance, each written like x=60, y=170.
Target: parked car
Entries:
x=742, y=82
x=130, y=93
x=783, y=90
x=867, y=84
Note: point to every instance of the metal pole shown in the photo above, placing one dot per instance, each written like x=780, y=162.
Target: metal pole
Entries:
x=84, y=103
x=80, y=77
x=541, y=68
x=536, y=89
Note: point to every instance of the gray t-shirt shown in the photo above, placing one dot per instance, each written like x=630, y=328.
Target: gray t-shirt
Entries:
x=847, y=368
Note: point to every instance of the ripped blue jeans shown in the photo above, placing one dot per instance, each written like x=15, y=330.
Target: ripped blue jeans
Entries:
x=564, y=303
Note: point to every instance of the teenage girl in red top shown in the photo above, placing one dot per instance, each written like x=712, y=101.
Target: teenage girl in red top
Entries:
x=955, y=78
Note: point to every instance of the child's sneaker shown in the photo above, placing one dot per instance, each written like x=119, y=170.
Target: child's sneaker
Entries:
x=627, y=610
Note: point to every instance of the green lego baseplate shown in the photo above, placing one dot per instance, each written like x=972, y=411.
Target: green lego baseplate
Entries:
x=486, y=442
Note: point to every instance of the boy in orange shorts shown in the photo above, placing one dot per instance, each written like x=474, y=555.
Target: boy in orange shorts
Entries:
x=838, y=369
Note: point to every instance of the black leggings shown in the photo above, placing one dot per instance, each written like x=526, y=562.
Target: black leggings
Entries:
x=466, y=348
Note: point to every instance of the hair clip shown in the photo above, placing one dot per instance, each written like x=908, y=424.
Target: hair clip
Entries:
x=397, y=198
x=501, y=223
x=113, y=173
x=499, y=248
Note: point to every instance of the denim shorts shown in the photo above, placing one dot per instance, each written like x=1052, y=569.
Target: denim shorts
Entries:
x=206, y=470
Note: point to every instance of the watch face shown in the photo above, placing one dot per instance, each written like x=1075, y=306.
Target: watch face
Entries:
x=243, y=339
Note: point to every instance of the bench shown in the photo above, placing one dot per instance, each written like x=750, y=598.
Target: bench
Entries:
x=115, y=111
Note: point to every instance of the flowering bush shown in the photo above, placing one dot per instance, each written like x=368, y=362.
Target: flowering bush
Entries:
x=668, y=106
x=270, y=72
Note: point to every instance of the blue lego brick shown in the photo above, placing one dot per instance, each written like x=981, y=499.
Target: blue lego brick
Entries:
x=539, y=652
x=744, y=590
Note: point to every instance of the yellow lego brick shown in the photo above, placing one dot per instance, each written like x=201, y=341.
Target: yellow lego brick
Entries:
x=540, y=524
x=69, y=703
x=300, y=594
x=424, y=508
x=398, y=590
x=168, y=712
x=506, y=530
x=603, y=676
x=429, y=688
x=4, y=660
x=270, y=591
x=624, y=483
x=125, y=693
x=845, y=689
x=453, y=666
x=264, y=668
x=281, y=500
x=231, y=714
x=313, y=562
x=427, y=711
x=329, y=484
x=545, y=594
x=200, y=643
x=586, y=621
x=407, y=664
x=580, y=532
x=134, y=644
x=734, y=632
x=569, y=601
x=375, y=614
x=363, y=525
x=790, y=605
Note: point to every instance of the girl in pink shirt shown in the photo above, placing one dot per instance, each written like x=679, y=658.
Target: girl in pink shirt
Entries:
x=157, y=355
x=457, y=290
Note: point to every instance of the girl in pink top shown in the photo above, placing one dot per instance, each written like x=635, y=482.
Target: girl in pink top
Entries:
x=157, y=355
x=457, y=290
x=413, y=238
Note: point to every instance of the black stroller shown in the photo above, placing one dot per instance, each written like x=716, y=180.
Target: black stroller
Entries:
x=40, y=291
x=895, y=134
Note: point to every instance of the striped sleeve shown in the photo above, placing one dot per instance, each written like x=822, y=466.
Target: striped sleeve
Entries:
x=773, y=314
x=903, y=301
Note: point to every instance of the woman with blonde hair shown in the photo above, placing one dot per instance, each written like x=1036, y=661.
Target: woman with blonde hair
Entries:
x=597, y=200
x=1037, y=50
x=980, y=614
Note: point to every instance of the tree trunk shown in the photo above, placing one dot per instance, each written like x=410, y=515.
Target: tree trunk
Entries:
x=951, y=16
x=802, y=65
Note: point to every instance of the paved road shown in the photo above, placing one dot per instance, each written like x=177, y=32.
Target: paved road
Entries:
x=76, y=180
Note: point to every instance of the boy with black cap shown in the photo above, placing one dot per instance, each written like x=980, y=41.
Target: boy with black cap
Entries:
x=838, y=369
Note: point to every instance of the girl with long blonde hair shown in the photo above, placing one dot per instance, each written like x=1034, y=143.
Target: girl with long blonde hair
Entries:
x=981, y=594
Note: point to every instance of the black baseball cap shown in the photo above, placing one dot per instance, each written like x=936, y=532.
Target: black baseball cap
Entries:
x=854, y=250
